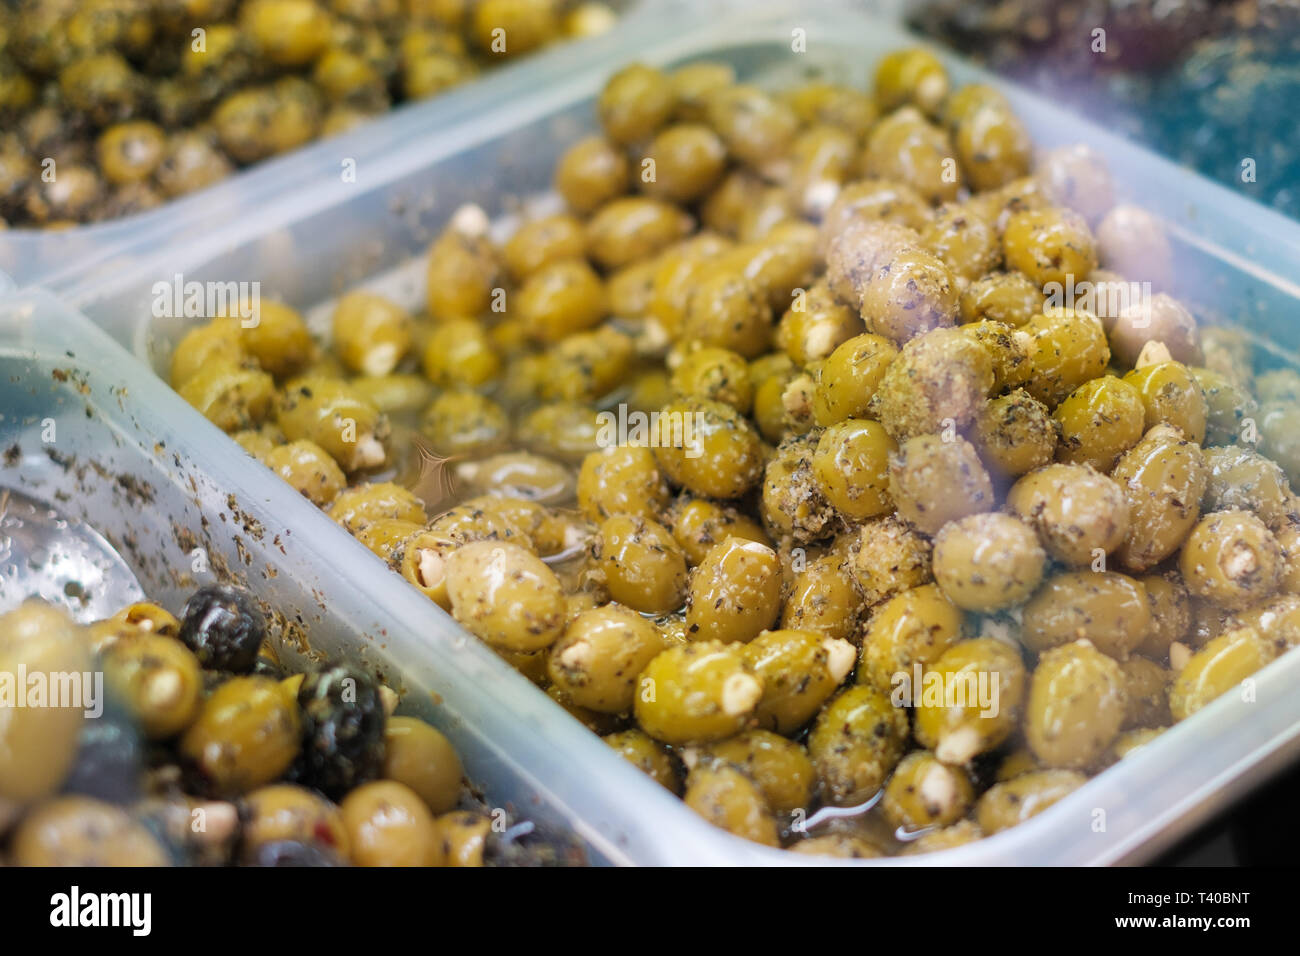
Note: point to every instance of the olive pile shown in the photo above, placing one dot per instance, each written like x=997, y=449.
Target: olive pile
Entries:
x=207, y=753
x=886, y=457
x=112, y=107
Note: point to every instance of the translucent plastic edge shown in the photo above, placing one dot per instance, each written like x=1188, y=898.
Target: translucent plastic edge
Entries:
x=603, y=798
x=33, y=256
x=1233, y=220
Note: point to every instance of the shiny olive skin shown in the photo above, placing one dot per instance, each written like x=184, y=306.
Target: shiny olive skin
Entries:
x=1105, y=607
x=1050, y=246
x=623, y=479
x=857, y=740
x=799, y=670
x=734, y=593
x=987, y=562
x=696, y=693
x=730, y=800
x=914, y=627
x=80, y=831
x=1171, y=395
x=824, y=596
x=974, y=722
x=421, y=757
x=924, y=792
x=597, y=661
x=647, y=755
x=644, y=567
x=1077, y=511
x=1066, y=348
x=389, y=825
x=933, y=481
x=1163, y=477
x=1076, y=706
x=698, y=524
x=1007, y=297
x=1099, y=421
x=1216, y=668
x=849, y=377
x=505, y=595
x=39, y=744
x=707, y=448
x=160, y=679
x=780, y=767
x=1232, y=559
x=851, y=464
x=246, y=734
x=1014, y=801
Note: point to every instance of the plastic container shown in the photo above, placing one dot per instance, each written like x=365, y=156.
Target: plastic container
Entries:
x=308, y=247
x=158, y=482
x=37, y=257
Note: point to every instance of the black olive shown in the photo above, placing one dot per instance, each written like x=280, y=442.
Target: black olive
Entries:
x=224, y=628
x=343, y=731
x=109, y=757
x=295, y=853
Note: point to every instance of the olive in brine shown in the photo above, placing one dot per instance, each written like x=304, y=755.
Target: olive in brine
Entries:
x=729, y=799
x=696, y=693
x=1077, y=700
x=343, y=730
x=799, y=670
x=857, y=741
x=1232, y=559
x=970, y=699
x=1163, y=477
x=224, y=627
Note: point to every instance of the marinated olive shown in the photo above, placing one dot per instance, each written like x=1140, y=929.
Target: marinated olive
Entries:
x=224, y=627
x=799, y=670
x=1107, y=608
x=1163, y=477
x=1216, y=668
x=246, y=735
x=696, y=693
x=600, y=656
x=389, y=825
x=1077, y=700
x=734, y=593
x=933, y=481
x=1080, y=514
x=1232, y=559
x=419, y=756
x=1014, y=801
x=987, y=562
x=729, y=799
x=505, y=595
x=970, y=699
x=857, y=741
x=923, y=792
x=343, y=730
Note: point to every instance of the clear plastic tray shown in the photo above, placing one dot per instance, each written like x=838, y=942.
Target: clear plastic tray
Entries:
x=36, y=257
x=158, y=481
x=1240, y=260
